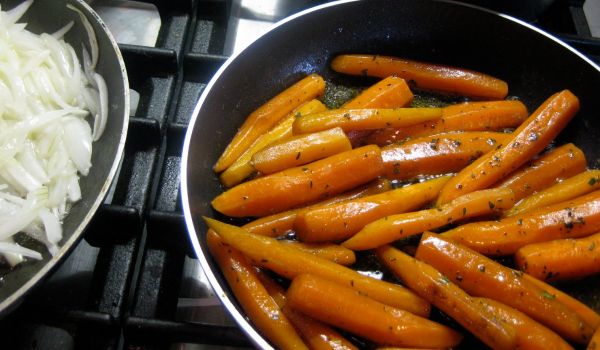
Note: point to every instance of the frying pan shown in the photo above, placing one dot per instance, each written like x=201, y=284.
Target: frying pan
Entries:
x=49, y=16
x=534, y=64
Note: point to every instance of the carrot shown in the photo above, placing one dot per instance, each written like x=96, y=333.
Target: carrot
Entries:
x=363, y=119
x=434, y=287
x=530, y=334
x=528, y=140
x=290, y=262
x=301, y=150
x=301, y=185
x=570, y=188
x=576, y=218
x=561, y=259
x=594, y=343
x=481, y=276
x=341, y=221
x=329, y=251
x=242, y=167
x=394, y=227
x=426, y=76
x=348, y=309
x=268, y=115
x=552, y=167
x=391, y=92
x=252, y=295
x=468, y=116
x=438, y=154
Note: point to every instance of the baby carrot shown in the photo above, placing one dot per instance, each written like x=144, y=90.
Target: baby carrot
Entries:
x=526, y=141
x=290, y=262
x=341, y=221
x=594, y=344
x=426, y=76
x=267, y=115
x=482, y=276
x=300, y=185
x=348, y=309
x=434, y=287
x=329, y=251
x=390, y=92
x=394, y=227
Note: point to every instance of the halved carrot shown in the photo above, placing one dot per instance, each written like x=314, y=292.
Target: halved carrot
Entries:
x=552, y=167
x=468, y=116
x=300, y=150
x=570, y=188
x=301, y=185
x=572, y=219
x=340, y=221
x=268, y=115
x=242, y=167
x=527, y=141
x=363, y=119
x=482, y=276
x=334, y=252
x=394, y=227
x=290, y=262
x=434, y=287
x=390, y=92
x=262, y=310
x=348, y=309
x=438, y=154
x=426, y=76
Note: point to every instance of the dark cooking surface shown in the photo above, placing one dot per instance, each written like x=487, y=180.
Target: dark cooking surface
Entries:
x=129, y=283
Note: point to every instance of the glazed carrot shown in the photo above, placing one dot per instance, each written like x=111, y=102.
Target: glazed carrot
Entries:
x=561, y=259
x=290, y=262
x=340, y=221
x=300, y=150
x=390, y=92
x=394, y=227
x=552, y=167
x=594, y=343
x=242, y=167
x=482, y=276
x=426, y=76
x=301, y=185
x=329, y=251
x=363, y=119
x=268, y=115
x=572, y=219
x=348, y=309
x=468, y=116
x=434, y=287
x=438, y=154
x=570, y=188
x=526, y=141
x=252, y=295
x=530, y=334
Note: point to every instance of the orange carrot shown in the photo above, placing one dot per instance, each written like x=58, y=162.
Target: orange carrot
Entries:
x=301, y=185
x=434, y=287
x=391, y=92
x=329, y=251
x=481, y=276
x=425, y=75
x=572, y=219
x=341, y=221
x=438, y=154
x=348, y=309
x=268, y=115
x=594, y=343
x=528, y=140
x=394, y=227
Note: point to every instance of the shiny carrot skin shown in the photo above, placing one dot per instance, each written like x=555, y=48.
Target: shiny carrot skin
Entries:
x=550, y=168
x=336, y=253
x=426, y=76
x=390, y=92
x=262, y=310
x=484, y=277
x=468, y=116
x=572, y=219
x=527, y=140
x=438, y=154
x=301, y=185
x=290, y=262
x=345, y=308
x=340, y=221
x=434, y=287
x=267, y=115
x=395, y=227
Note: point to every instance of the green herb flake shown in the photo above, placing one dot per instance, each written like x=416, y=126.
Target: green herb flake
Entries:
x=592, y=181
x=492, y=205
x=547, y=295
